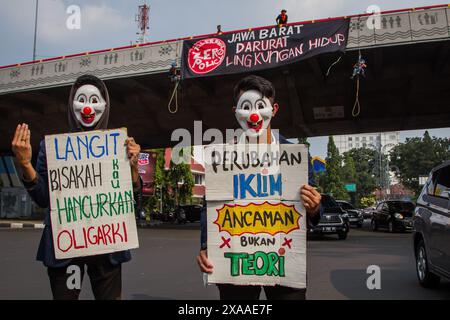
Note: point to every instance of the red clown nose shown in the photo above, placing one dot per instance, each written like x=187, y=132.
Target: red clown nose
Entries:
x=254, y=117
x=87, y=110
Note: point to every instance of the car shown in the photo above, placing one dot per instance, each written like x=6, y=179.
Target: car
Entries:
x=432, y=228
x=192, y=212
x=368, y=212
x=334, y=219
x=355, y=216
x=393, y=215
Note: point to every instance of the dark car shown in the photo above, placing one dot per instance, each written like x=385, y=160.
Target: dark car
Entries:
x=393, y=215
x=368, y=212
x=192, y=212
x=355, y=216
x=432, y=228
x=334, y=219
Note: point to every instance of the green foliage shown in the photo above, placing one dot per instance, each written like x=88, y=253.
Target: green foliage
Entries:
x=331, y=181
x=167, y=183
x=181, y=182
x=303, y=140
x=416, y=157
x=367, y=201
x=149, y=204
x=365, y=162
x=348, y=173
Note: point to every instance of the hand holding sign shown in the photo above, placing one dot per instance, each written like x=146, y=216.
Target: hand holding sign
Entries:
x=133, y=150
x=204, y=263
x=310, y=199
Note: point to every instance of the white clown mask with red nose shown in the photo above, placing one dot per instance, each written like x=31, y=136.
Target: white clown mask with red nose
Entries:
x=88, y=105
x=254, y=112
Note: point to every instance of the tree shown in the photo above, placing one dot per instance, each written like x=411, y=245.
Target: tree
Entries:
x=182, y=181
x=367, y=201
x=331, y=181
x=365, y=161
x=348, y=173
x=174, y=184
x=416, y=157
x=303, y=140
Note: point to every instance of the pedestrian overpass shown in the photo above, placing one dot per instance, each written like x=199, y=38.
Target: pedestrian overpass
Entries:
x=407, y=85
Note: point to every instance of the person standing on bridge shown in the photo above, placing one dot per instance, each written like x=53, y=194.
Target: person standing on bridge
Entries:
x=282, y=18
x=88, y=109
x=254, y=98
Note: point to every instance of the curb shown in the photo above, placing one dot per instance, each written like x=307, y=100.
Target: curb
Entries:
x=14, y=225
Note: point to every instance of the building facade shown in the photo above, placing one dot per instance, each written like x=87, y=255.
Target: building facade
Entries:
x=384, y=141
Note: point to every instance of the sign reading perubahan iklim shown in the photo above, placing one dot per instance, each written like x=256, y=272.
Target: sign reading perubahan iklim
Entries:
x=256, y=221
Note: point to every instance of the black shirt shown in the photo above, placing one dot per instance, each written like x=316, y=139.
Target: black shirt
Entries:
x=280, y=19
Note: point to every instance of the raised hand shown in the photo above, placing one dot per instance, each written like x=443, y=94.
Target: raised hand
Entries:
x=21, y=145
x=22, y=150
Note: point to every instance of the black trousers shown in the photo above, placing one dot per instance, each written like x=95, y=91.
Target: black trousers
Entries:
x=233, y=292
x=106, y=279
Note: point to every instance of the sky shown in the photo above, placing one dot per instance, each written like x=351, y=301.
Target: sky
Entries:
x=111, y=23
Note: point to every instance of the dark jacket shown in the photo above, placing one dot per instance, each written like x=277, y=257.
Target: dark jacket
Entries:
x=280, y=19
x=39, y=189
x=315, y=221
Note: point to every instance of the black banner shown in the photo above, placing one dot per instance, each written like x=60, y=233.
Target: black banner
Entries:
x=261, y=49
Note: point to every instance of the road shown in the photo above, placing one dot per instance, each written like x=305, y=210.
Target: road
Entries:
x=164, y=267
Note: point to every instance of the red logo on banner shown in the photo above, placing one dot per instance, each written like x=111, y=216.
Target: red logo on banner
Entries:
x=206, y=55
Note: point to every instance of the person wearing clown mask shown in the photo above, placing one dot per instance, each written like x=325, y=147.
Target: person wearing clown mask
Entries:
x=254, y=109
x=88, y=109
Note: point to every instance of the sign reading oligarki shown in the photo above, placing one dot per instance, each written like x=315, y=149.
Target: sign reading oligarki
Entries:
x=91, y=193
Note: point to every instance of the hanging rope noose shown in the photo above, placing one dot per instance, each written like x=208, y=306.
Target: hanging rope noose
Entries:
x=175, y=77
x=174, y=95
x=357, y=106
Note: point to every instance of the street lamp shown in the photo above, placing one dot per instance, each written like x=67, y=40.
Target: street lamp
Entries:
x=35, y=29
x=380, y=150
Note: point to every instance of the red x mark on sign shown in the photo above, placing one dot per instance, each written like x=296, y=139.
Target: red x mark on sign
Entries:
x=287, y=242
x=226, y=242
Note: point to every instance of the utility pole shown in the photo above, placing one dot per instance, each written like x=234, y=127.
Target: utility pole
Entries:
x=35, y=29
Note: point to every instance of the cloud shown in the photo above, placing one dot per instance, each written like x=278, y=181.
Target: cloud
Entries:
x=102, y=26
x=106, y=24
x=99, y=24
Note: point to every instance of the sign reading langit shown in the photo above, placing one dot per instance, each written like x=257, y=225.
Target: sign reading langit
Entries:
x=91, y=193
x=260, y=49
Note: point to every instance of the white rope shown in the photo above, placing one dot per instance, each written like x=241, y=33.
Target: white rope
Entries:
x=332, y=65
x=356, y=107
x=174, y=95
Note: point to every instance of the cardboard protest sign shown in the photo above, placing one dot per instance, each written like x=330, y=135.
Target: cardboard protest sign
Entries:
x=91, y=193
x=256, y=222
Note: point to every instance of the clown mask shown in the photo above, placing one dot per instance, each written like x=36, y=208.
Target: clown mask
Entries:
x=88, y=105
x=254, y=112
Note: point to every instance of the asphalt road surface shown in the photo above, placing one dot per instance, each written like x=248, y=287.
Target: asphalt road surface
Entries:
x=164, y=267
